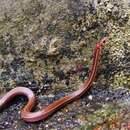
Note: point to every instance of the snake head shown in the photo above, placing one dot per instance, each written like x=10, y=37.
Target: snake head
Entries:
x=101, y=43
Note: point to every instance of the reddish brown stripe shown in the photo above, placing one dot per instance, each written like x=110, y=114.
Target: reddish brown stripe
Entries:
x=29, y=116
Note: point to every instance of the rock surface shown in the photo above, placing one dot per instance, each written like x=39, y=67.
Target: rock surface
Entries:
x=46, y=45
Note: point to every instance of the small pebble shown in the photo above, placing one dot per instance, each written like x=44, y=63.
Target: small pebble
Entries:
x=90, y=97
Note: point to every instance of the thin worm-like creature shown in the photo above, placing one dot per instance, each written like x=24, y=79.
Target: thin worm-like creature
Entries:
x=29, y=116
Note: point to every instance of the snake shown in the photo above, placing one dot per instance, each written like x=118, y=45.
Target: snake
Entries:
x=29, y=115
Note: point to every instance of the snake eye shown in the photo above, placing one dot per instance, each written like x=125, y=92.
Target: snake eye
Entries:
x=103, y=40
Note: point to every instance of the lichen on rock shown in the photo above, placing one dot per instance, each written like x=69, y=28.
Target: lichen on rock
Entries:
x=47, y=46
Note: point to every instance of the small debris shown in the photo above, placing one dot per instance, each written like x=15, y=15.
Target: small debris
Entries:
x=90, y=97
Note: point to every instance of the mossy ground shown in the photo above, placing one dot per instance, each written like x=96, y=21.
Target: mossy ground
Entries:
x=47, y=46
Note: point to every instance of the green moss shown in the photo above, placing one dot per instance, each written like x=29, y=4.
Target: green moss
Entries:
x=120, y=79
x=105, y=114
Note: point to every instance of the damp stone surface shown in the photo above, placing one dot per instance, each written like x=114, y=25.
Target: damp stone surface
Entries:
x=47, y=45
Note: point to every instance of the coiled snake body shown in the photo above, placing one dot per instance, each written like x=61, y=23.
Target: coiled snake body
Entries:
x=29, y=116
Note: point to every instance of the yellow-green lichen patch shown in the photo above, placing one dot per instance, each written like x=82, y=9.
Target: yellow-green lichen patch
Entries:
x=47, y=46
x=120, y=79
x=107, y=117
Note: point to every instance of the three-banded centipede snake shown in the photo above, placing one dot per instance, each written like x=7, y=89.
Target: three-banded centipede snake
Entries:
x=29, y=116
